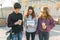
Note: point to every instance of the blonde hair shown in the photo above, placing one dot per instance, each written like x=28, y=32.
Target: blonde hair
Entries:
x=45, y=10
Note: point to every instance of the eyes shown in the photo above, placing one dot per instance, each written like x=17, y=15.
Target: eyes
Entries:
x=30, y=10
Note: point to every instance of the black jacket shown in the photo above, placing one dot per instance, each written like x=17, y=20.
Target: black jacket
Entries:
x=12, y=18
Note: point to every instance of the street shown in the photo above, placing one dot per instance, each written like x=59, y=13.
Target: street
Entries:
x=54, y=34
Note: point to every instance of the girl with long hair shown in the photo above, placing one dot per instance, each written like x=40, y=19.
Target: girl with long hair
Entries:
x=45, y=24
x=30, y=23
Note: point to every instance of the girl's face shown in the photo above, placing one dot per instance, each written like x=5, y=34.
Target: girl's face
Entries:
x=30, y=11
x=44, y=15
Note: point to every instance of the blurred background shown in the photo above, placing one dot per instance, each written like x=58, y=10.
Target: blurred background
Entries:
x=6, y=7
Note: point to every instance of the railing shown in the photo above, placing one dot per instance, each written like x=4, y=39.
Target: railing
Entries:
x=3, y=22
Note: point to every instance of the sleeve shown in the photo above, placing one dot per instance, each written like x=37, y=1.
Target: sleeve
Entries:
x=25, y=24
x=36, y=21
x=37, y=26
x=22, y=21
x=52, y=24
x=21, y=17
x=10, y=24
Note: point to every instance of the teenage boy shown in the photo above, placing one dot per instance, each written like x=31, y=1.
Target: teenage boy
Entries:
x=15, y=20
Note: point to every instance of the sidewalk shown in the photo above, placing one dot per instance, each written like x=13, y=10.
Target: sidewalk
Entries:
x=54, y=34
x=51, y=38
x=55, y=38
x=3, y=36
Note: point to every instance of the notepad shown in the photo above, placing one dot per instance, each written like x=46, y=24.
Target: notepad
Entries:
x=32, y=23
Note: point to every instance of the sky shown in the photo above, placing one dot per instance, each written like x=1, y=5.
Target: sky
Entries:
x=7, y=3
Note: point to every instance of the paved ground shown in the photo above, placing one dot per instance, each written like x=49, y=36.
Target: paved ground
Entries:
x=54, y=34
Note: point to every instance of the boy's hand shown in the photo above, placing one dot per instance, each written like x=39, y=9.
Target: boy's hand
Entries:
x=19, y=22
x=16, y=23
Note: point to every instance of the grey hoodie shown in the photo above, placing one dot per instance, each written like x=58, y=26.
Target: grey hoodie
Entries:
x=32, y=22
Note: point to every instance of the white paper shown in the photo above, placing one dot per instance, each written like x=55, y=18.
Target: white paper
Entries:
x=32, y=23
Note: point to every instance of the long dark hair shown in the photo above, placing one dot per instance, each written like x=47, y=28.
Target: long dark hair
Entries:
x=33, y=13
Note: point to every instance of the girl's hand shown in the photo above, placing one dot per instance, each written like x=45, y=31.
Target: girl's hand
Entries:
x=29, y=25
x=43, y=27
x=16, y=23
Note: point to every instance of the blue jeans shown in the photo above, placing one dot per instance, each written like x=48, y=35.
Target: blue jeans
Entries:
x=17, y=36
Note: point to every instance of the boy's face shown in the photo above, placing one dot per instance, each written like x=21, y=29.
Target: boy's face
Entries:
x=17, y=10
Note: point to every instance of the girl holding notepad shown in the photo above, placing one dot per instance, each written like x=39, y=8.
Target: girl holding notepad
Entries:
x=30, y=23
